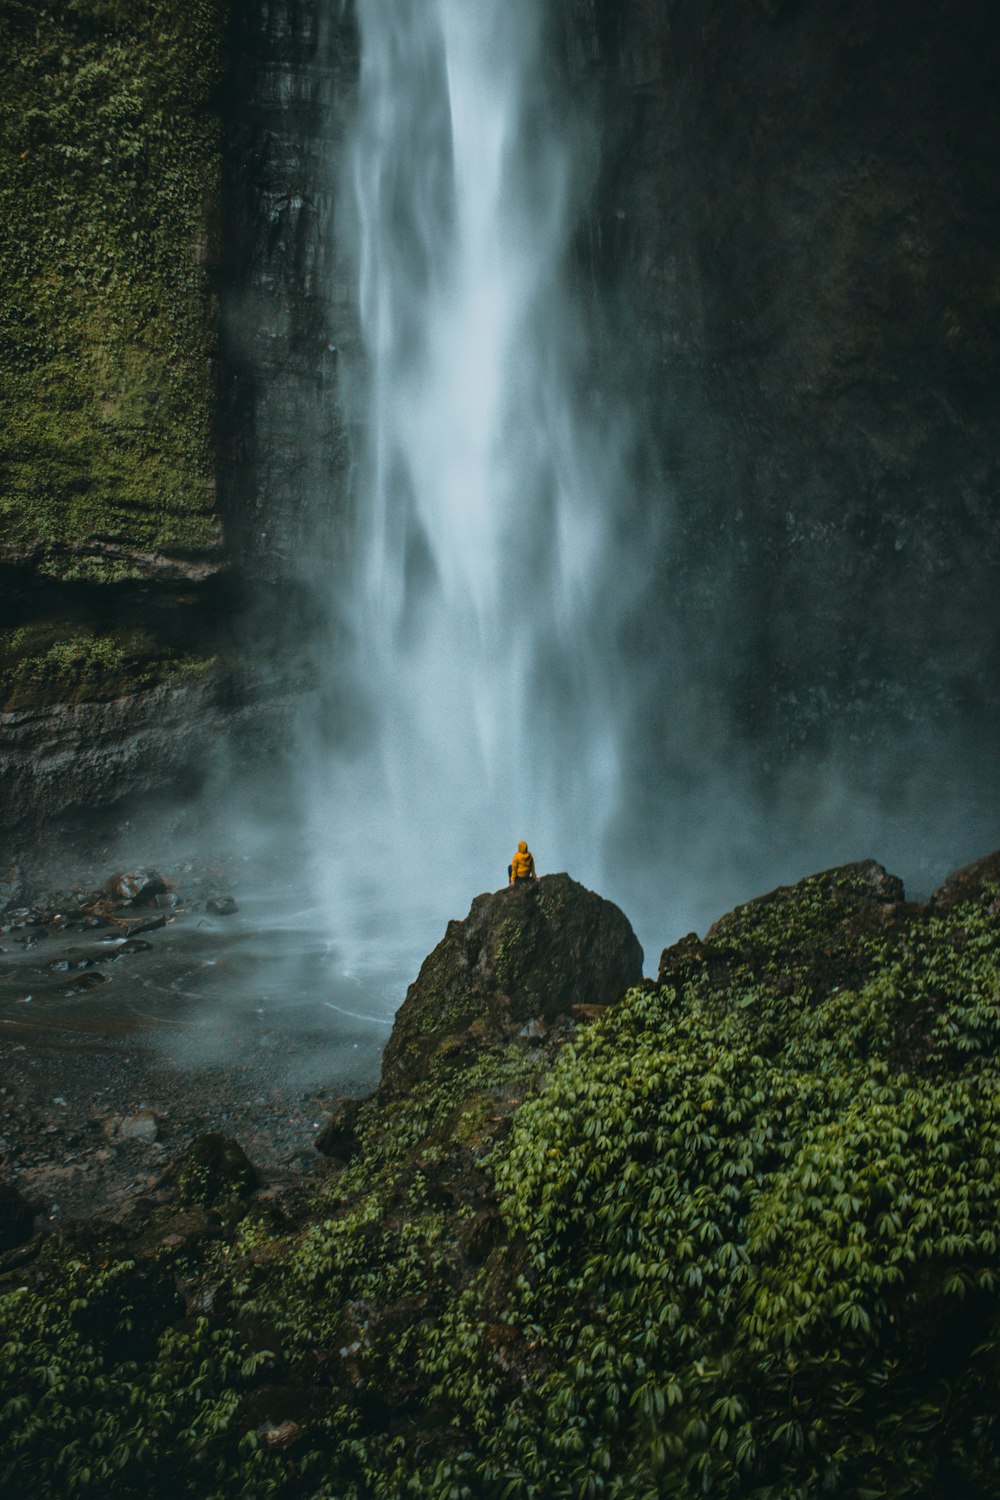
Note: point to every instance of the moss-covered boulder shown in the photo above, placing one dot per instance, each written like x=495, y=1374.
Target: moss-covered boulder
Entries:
x=214, y=1168
x=736, y=1237
x=528, y=952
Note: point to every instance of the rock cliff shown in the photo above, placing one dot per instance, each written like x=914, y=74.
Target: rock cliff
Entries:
x=796, y=233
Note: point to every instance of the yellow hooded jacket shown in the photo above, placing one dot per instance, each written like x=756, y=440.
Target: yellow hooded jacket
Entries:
x=522, y=866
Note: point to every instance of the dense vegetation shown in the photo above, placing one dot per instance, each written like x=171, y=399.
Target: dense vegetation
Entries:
x=108, y=184
x=737, y=1238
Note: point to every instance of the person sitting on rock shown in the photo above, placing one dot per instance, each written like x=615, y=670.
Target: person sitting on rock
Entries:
x=522, y=866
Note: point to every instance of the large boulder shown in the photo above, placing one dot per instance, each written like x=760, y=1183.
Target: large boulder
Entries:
x=809, y=937
x=979, y=881
x=528, y=952
x=813, y=910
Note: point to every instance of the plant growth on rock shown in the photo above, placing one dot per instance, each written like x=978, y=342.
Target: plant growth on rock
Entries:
x=737, y=1237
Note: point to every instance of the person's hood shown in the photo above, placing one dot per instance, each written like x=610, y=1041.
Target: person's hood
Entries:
x=522, y=847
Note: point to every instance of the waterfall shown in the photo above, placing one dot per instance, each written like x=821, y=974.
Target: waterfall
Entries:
x=483, y=569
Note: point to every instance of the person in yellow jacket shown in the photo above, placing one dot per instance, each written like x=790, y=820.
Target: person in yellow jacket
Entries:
x=522, y=866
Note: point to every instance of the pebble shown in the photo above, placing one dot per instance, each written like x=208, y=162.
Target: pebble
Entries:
x=142, y=1126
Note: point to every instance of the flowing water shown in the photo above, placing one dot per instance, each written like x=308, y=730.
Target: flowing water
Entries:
x=478, y=597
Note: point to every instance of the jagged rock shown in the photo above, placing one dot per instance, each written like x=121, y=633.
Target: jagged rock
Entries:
x=221, y=906
x=16, y=1217
x=136, y=887
x=214, y=1167
x=969, y=883
x=13, y=888
x=818, y=924
x=91, y=979
x=337, y=1138
x=837, y=895
x=524, y=953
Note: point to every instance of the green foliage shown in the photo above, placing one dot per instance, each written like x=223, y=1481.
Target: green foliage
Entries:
x=109, y=162
x=83, y=1420
x=750, y=1250
x=84, y=666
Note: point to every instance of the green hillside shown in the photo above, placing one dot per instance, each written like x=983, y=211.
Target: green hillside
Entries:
x=738, y=1237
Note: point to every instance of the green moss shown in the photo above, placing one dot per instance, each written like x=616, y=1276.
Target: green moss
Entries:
x=48, y=664
x=750, y=1250
x=109, y=166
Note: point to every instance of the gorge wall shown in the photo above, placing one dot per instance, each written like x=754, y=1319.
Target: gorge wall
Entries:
x=795, y=237
x=164, y=404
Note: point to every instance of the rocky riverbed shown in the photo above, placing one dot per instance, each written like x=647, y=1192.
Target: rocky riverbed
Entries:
x=141, y=1010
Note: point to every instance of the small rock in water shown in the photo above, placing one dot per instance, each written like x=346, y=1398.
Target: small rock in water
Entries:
x=149, y=924
x=92, y=979
x=136, y=887
x=221, y=906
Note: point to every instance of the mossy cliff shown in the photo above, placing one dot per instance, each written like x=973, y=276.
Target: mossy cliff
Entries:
x=109, y=179
x=116, y=615
x=735, y=1234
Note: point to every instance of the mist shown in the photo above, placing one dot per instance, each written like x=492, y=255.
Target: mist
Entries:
x=551, y=596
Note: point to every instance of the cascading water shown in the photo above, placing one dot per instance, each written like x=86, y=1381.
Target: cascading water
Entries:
x=478, y=602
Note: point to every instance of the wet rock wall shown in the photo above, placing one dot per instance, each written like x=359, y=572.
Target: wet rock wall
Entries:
x=287, y=313
x=795, y=238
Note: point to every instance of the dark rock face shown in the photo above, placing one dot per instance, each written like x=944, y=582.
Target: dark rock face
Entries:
x=338, y=1138
x=287, y=311
x=76, y=756
x=973, y=883
x=214, y=1167
x=797, y=228
x=529, y=951
x=16, y=1217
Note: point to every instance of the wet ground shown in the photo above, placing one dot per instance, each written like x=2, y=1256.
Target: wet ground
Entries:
x=127, y=1031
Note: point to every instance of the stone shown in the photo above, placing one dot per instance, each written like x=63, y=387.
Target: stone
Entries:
x=13, y=888
x=283, y=1435
x=148, y=924
x=525, y=953
x=970, y=883
x=142, y=1126
x=221, y=906
x=136, y=887
x=534, y=1031
x=91, y=979
x=17, y=1217
x=337, y=1137
x=214, y=1168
